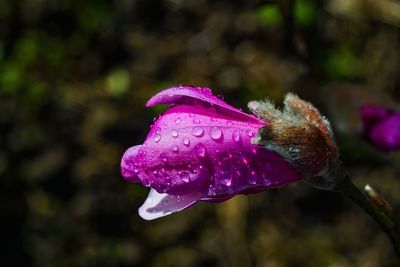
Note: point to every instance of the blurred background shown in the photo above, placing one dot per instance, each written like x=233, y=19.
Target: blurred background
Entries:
x=74, y=79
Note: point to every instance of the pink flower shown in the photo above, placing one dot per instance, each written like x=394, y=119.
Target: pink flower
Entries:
x=200, y=149
x=382, y=126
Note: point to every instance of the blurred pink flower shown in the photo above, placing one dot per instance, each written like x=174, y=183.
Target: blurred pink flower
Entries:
x=200, y=149
x=382, y=126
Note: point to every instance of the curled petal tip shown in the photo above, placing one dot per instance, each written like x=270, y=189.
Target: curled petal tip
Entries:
x=158, y=205
x=128, y=168
x=190, y=95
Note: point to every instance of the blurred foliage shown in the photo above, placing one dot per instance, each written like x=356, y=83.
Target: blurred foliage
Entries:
x=305, y=12
x=269, y=14
x=74, y=79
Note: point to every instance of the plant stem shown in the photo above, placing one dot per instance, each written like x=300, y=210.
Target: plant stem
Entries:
x=377, y=212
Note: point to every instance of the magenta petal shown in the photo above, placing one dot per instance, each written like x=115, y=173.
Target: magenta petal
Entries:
x=128, y=168
x=200, y=149
x=159, y=205
x=386, y=133
x=197, y=149
x=189, y=95
x=371, y=115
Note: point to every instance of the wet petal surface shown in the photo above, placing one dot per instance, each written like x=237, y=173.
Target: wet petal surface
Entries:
x=214, y=155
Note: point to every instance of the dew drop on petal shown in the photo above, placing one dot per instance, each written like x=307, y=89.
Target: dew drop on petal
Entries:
x=178, y=120
x=197, y=131
x=215, y=133
x=229, y=122
x=161, y=188
x=214, y=119
x=163, y=157
x=252, y=177
x=174, y=133
x=191, y=115
x=236, y=136
x=145, y=182
x=207, y=90
x=200, y=150
x=175, y=149
x=227, y=180
x=238, y=173
x=196, y=120
x=185, y=176
x=157, y=138
x=186, y=141
x=250, y=133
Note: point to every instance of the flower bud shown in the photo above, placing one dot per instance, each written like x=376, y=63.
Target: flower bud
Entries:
x=301, y=135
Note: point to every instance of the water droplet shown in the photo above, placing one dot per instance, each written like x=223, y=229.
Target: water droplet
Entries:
x=227, y=180
x=245, y=160
x=163, y=157
x=215, y=133
x=229, y=122
x=220, y=96
x=196, y=120
x=207, y=91
x=145, y=182
x=191, y=115
x=136, y=171
x=252, y=177
x=174, y=133
x=161, y=188
x=236, y=136
x=214, y=119
x=197, y=131
x=185, y=176
x=157, y=138
x=200, y=150
x=238, y=173
x=175, y=148
x=178, y=120
x=155, y=172
x=250, y=133
x=186, y=141
x=254, y=150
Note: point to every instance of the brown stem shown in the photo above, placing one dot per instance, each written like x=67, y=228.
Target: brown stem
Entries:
x=377, y=212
